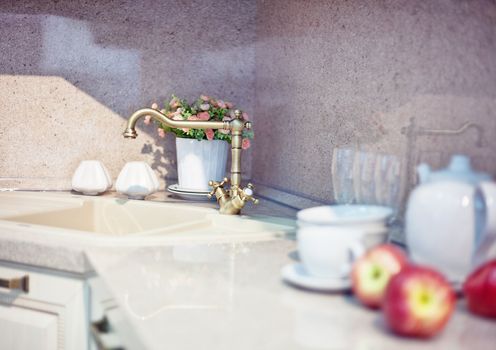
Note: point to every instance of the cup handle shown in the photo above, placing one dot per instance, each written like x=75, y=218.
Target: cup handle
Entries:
x=355, y=250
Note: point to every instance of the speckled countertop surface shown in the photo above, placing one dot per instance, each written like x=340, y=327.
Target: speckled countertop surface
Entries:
x=24, y=244
x=231, y=296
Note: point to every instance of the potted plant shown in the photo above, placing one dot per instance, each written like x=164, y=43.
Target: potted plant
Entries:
x=201, y=154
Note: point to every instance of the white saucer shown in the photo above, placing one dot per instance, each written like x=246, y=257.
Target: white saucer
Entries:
x=192, y=195
x=297, y=275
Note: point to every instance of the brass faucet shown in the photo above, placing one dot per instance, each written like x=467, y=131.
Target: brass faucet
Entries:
x=231, y=201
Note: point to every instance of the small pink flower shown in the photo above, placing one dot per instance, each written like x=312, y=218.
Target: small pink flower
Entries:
x=221, y=104
x=174, y=103
x=245, y=144
x=204, y=98
x=210, y=134
x=203, y=116
x=229, y=105
x=214, y=103
x=154, y=105
x=246, y=116
x=148, y=119
x=161, y=133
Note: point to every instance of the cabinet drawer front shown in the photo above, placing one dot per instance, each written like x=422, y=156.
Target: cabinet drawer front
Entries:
x=49, y=288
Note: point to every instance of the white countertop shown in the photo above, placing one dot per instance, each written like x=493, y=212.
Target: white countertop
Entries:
x=186, y=295
x=230, y=296
x=53, y=248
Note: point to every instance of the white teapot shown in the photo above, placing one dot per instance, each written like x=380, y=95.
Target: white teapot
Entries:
x=449, y=215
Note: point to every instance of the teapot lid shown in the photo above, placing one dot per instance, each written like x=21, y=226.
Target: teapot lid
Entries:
x=459, y=169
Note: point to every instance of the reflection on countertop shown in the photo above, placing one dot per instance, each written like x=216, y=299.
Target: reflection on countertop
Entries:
x=230, y=296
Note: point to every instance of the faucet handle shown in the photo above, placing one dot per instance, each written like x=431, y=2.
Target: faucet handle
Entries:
x=239, y=115
x=215, y=185
x=248, y=194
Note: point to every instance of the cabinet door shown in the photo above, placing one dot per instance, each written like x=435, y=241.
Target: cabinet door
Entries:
x=25, y=329
x=51, y=296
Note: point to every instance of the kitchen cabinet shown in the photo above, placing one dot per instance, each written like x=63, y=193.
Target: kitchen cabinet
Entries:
x=52, y=313
x=23, y=328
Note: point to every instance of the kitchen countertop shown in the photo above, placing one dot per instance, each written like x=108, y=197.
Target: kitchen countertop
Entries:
x=225, y=295
x=230, y=296
x=21, y=243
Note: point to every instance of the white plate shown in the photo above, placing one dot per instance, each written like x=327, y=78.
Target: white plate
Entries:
x=297, y=275
x=176, y=188
x=188, y=194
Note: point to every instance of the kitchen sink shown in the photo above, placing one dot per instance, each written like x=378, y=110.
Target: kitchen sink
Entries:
x=116, y=217
x=105, y=217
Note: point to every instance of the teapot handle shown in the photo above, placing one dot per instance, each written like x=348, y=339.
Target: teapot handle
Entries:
x=489, y=192
x=485, y=248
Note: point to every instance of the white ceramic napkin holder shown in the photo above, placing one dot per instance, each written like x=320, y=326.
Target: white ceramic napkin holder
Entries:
x=91, y=178
x=137, y=180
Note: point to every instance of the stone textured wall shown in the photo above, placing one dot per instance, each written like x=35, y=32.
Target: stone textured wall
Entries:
x=71, y=72
x=342, y=92
x=346, y=90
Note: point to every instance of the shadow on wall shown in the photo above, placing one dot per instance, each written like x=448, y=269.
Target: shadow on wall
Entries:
x=106, y=83
x=116, y=61
x=110, y=74
x=43, y=150
x=48, y=45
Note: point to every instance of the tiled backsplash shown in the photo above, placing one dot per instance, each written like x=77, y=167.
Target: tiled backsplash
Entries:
x=71, y=73
x=344, y=93
x=367, y=80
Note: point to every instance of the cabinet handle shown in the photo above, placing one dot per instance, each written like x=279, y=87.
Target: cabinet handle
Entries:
x=19, y=283
x=100, y=329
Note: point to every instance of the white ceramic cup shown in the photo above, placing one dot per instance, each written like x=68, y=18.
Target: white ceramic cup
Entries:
x=136, y=180
x=329, y=252
x=372, y=220
x=91, y=178
x=331, y=237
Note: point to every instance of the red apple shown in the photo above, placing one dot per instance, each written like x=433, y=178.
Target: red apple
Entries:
x=418, y=302
x=371, y=273
x=480, y=290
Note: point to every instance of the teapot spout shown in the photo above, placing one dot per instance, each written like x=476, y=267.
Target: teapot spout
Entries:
x=423, y=171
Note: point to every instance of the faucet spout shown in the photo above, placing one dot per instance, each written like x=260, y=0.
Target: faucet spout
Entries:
x=162, y=118
x=233, y=200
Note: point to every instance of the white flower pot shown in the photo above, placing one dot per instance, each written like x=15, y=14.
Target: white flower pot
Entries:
x=198, y=162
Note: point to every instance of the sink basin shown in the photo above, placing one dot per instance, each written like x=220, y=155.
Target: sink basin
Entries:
x=116, y=217
x=52, y=213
